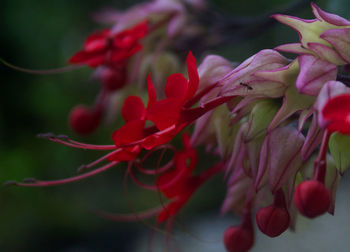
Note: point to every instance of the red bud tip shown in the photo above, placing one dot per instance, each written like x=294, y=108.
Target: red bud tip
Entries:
x=114, y=79
x=273, y=220
x=238, y=239
x=84, y=120
x=312, y=198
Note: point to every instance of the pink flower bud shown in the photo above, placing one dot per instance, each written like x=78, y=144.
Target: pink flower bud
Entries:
x=273, y=220
x=238, y=239
x=84, y=120
x=114, y=79
x=312, y=198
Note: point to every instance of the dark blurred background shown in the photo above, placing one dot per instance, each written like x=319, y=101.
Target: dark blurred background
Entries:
x=41, y=34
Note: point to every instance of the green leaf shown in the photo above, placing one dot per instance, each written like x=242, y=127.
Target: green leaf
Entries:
x=339, y=146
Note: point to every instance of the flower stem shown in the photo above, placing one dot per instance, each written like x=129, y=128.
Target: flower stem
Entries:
x=320, y=162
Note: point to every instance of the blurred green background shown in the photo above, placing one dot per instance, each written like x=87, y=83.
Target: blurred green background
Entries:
x=43, y=34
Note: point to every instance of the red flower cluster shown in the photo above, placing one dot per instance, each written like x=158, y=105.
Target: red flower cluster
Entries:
x=111, y=51
x=105, y=48
x=165, y=114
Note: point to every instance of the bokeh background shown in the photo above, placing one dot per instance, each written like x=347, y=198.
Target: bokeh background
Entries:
x=41, y=34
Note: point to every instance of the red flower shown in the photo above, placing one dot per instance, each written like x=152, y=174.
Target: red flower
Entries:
x=337, y=113
x=178, y=90
x=165, y=114
x=105, y=48
x=178, y=184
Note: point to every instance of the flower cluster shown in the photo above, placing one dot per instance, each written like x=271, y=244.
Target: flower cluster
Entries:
x=278, y=126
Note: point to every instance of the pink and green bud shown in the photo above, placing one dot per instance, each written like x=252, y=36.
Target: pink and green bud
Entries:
x=244, y=79
x=314, y=73
x=327, y=36
x=260, y=117
x=280, y=157
x=212, y=69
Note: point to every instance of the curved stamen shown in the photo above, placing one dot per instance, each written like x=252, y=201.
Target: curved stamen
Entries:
x=65, y=140
x=125, y=192
x=139, y=183
x=41, y=183
x=155, y=171
x=44, y=72
x=84, y=167
x=161, y=147
x=132, y=217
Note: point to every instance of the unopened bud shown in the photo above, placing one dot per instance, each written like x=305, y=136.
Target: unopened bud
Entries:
x=114, y=78
x=273, y=220
x=312, y=198
x=84, y=120
x=238, y=239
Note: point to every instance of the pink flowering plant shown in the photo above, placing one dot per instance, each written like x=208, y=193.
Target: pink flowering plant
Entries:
x=276, y=128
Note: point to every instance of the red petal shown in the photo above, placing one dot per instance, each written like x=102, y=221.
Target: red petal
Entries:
x=171, y=209
x=161, y=137
x=124, y=40
x=176, y=86
x=128, y=38
x=123, y=54
x=171, y=183
x=338, y=106
x=340, y=126
x=129, y=133
x=96, y=41
x=140, y=30
x=337, y=112
x=186, y=140
x=187, y=189
x=152, y=96
x=133, y=109
x=92, y=59
x=192, y=75
x=165, y=113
